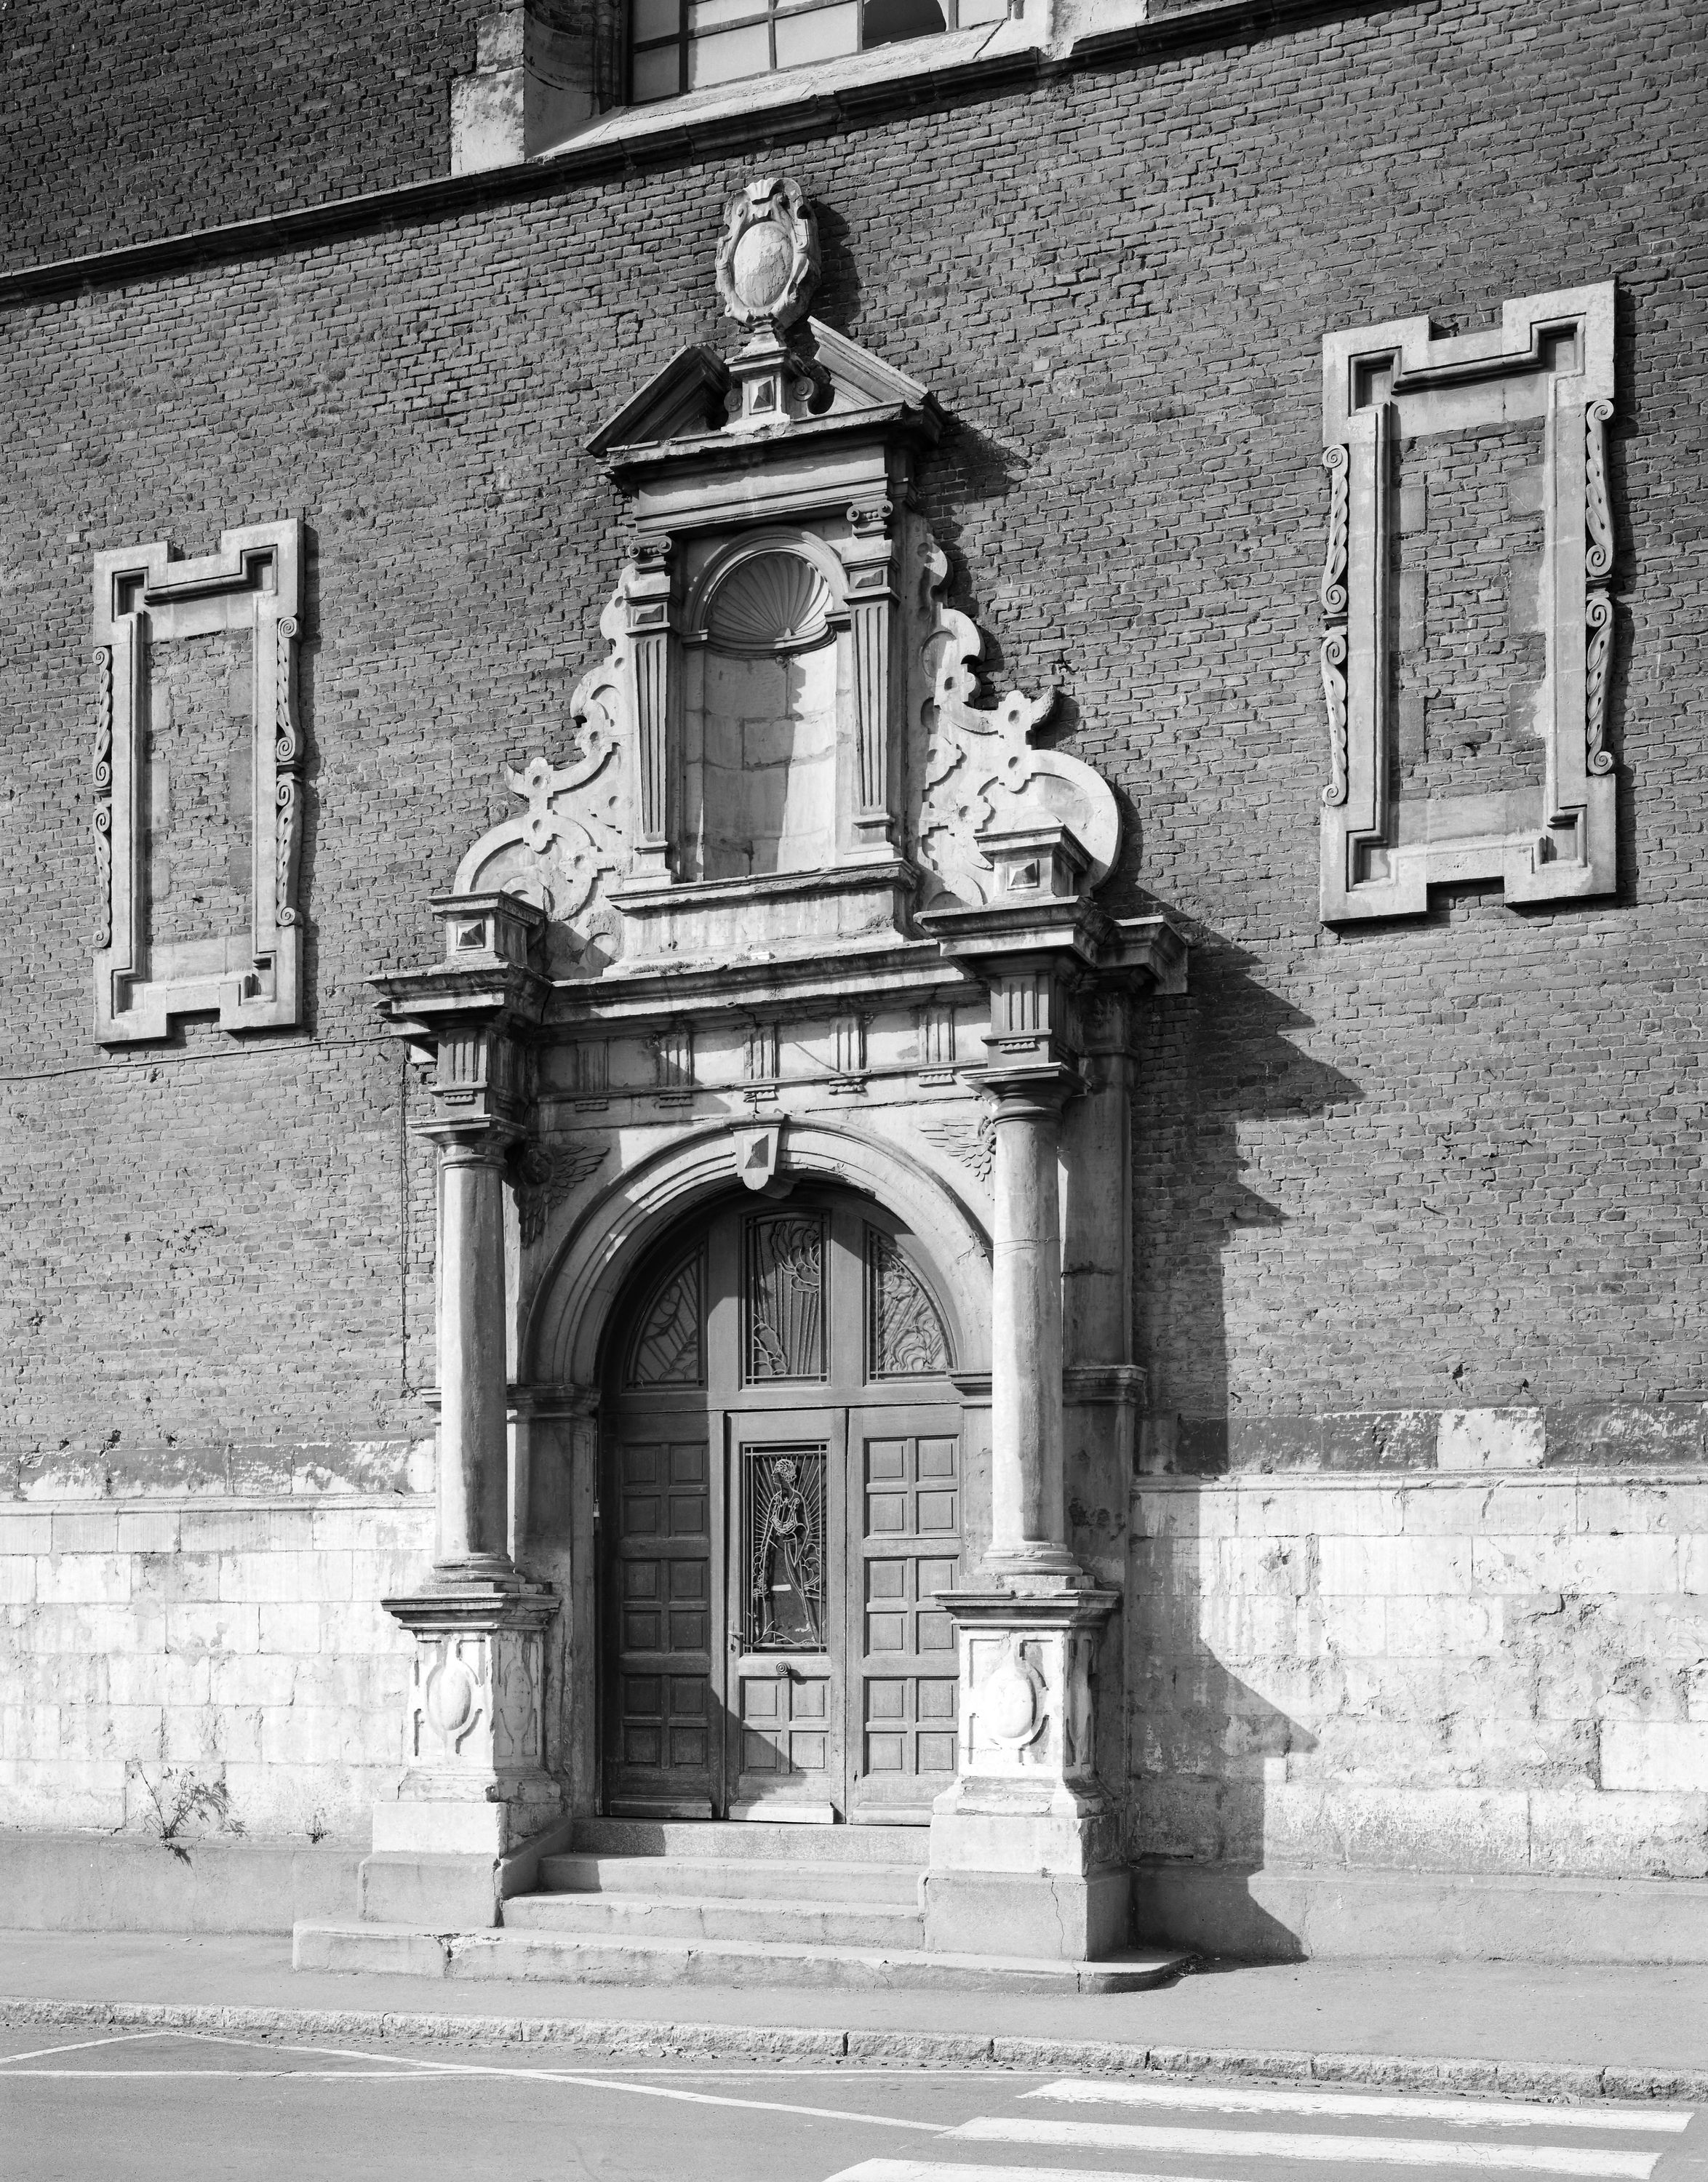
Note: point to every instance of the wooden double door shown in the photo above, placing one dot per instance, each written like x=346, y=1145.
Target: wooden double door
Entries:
x=780, y=1501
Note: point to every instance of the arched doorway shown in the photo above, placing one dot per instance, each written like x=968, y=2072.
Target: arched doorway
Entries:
x=780, y=1497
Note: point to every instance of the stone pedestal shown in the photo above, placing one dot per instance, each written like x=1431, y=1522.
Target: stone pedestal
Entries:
x=475, y=1792
x=474, y=1729
x=1025, y=1847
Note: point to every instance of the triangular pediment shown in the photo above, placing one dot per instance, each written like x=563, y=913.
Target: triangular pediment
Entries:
x=687, y=400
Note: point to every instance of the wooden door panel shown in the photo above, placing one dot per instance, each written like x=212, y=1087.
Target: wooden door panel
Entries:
x=905, y=1479
x=785, y=1608
x=759, y=1690
x=658, y=1731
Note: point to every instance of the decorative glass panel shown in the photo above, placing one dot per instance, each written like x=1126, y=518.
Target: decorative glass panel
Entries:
x=667, y=1351
x=906, y=1337
x=784, y=1272
x=785, y=1493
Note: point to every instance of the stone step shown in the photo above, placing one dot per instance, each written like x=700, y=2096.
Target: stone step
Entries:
x=722, y=1838
x=693, y=1916
x=735, y=1878
x=400, y=1949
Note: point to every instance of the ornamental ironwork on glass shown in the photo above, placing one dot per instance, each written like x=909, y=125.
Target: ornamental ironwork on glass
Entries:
x=786, y=1554
x=667, y=1350
x=906, y=1337
x=784, y=1265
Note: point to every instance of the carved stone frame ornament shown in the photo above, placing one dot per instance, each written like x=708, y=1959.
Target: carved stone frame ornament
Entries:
x=1551, y=359
x=144, y=600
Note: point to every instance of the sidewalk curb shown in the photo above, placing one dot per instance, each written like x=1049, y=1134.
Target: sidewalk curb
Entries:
x=717, y=2042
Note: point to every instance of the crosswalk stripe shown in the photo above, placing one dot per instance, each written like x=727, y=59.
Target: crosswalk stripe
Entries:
x=1362, y=2106
x=923, y=2170
x=1339, y=2150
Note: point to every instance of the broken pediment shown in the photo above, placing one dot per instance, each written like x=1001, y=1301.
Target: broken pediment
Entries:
x=686, y=407
x=784, y=751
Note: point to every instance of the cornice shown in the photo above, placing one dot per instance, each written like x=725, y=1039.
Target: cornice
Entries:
x=1231, y=21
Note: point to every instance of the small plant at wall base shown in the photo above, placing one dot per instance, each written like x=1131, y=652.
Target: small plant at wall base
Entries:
x=177, y=1798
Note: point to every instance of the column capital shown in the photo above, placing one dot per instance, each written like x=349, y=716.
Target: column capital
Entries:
x=470, y=1140
x=1027, y=1090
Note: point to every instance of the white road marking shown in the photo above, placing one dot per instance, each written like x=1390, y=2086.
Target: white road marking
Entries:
x=220, y=2075
x=924, y=2170
x=1337, y=2151
x=461, y=2069
x=82, y=2046
x=1361, y=2106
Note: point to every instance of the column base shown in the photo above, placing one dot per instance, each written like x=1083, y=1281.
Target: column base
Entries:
x=1051, y=1916
x=476, y=1793
x=1026, y=1847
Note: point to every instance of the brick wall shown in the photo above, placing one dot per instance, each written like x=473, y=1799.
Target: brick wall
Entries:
x=123, y=119
x=1448, y=1166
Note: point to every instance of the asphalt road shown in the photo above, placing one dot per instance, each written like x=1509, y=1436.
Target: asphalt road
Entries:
x=169, y=2107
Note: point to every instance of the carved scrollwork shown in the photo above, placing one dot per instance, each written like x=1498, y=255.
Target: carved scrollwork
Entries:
x=1598, y=513
x=287, y=747
x=982, y=768
x=1333, y=665
x=545, y=1175
x=285, y=802
x=102, y=774
x=1332, y=590
x=972, y=1142
x=1598, y=615
x=907, y=1338
x=573, y=836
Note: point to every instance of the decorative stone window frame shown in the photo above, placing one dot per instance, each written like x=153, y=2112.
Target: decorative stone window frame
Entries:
x=1550, y=357
x=145, y=599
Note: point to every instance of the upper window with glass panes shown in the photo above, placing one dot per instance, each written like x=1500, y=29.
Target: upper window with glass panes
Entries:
x=686, y=45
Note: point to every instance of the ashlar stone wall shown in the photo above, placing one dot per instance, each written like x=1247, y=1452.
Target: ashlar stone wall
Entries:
x=1463, y=1671
x=219, y=1657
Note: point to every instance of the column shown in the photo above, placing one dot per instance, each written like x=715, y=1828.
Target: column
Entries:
x=474, y=1513
x=1028, y=1519
x=476, y=1793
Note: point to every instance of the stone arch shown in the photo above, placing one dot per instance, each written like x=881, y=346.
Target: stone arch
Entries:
x=565, y=1321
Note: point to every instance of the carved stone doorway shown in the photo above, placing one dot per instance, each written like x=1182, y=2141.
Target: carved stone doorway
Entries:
x=781, y=1496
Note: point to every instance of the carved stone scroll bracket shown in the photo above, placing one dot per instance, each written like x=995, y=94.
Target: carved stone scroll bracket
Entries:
x=103, y=777
x=1598, y=569
x=161, y=624
x=984, y=773
x=1333, y=662
x=1547, y=369
x=573, y=839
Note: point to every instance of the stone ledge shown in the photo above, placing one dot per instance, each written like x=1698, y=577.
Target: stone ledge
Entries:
x=1281, y=1915
x=52, y=1882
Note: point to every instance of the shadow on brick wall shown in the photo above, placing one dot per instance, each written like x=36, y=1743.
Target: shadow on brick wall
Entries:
x=1204, y=1743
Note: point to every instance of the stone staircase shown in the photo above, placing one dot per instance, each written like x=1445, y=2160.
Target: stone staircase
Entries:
x=641, y=1902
